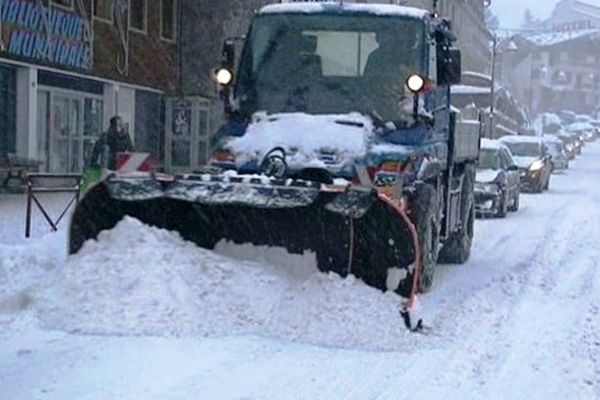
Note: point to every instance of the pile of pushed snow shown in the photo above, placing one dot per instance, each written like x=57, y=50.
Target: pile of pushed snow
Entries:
x=141, y=280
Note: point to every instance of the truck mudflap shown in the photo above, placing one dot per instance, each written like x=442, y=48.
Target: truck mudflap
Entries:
x=352, y=230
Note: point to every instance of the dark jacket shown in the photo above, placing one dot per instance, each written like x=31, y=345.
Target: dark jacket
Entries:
x=108, y=146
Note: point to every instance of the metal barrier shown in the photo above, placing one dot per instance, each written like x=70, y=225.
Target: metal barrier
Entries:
x=50, y=183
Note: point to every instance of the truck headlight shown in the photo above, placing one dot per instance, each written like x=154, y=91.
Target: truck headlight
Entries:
x=224, y=76
x=536, y=166
x=415, y=83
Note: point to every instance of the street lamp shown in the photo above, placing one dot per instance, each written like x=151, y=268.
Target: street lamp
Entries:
x=496, y=45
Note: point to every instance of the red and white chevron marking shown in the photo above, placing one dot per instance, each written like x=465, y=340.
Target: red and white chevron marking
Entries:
x=134, y=162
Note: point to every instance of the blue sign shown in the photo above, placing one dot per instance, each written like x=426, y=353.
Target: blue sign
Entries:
x=45, y=34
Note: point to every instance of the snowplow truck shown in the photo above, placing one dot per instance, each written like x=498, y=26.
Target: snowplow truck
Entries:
x=339, y=142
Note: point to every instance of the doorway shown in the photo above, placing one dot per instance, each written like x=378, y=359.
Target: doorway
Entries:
x=187, y=139
x=69, y=124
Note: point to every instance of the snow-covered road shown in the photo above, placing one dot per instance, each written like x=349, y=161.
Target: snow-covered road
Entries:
x=520, y=320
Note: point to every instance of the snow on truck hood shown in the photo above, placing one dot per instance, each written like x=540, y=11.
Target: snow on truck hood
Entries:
x=308, y=140
x=524, y=162
x=486, y=175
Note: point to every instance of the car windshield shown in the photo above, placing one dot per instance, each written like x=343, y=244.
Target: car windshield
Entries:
x=524, y=149
x=489, y=159
x=329, y=63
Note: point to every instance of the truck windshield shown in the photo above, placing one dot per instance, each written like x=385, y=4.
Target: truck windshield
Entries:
x=329, y=63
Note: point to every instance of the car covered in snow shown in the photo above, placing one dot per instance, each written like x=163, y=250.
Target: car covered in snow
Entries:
x=556, y=148
x=497, y=186
x=572, y=141
x=585, y=131
x=535, y=165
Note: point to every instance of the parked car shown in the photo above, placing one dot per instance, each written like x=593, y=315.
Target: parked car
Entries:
x=585, y=130
x=556, y=149
x=570, y=142
x=534, y=163
x=497, y=186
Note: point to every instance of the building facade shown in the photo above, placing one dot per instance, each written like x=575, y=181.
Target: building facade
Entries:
x=556, y=65
x=68, y=66
x=572, y=15
x=468, y=23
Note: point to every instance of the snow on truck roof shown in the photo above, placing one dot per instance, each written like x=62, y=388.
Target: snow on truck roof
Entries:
x=306, y=7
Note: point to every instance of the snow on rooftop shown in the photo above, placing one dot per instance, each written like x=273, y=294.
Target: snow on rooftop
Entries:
x=336, y=6
x=553, y=38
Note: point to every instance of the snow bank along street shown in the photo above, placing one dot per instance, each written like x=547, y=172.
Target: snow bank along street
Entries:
x=143, y=314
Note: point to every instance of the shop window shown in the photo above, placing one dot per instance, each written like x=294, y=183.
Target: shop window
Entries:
x=68, y=4
x=168, y=19
x=138, y=15
x=103, y=10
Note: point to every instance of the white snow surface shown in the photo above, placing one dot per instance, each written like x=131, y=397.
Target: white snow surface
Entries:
x=304, y=137
x=140, y=280
x=521, y=319
x=491, y=144
x=520, y=139
x=347, y=6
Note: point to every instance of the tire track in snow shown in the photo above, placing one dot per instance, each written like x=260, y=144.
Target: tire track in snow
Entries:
x=557, y=297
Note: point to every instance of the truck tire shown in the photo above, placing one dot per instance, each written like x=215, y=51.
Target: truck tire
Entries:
x=426, y=215
x=457, y=248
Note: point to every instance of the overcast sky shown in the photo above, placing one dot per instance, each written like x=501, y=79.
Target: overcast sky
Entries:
x=510, y=12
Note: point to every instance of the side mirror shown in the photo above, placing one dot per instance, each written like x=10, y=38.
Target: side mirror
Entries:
x=512, y=168
x=449, y=67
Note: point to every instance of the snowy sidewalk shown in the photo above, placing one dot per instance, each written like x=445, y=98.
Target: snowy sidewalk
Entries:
x=13, y=208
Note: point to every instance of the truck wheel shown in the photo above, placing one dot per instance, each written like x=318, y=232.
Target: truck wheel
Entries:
x=425, y=214
x=457, y=248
